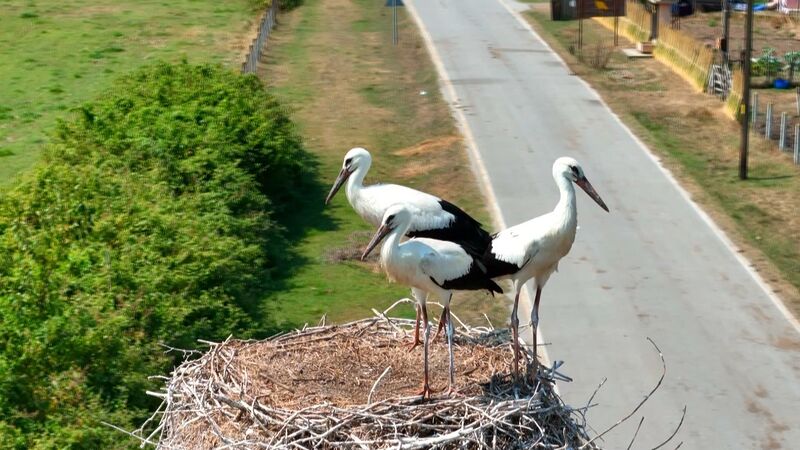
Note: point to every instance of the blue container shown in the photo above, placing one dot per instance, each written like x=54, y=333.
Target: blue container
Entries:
x=780, y=83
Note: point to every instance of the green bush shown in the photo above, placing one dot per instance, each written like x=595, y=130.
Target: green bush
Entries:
x=767, y=65
x=153, y=218
x=792, y=60
x=289, y=4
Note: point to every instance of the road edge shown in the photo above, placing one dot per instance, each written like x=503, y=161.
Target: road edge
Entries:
x=718, y=232
x=476, y=162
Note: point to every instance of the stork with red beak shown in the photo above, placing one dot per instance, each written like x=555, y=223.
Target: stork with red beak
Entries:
x=430, y=216
x=532, y=249
x=428, y=266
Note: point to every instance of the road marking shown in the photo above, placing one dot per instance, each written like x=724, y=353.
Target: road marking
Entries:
x=478, y=167
x=748, y=266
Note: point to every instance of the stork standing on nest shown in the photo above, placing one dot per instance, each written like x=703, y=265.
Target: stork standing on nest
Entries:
x=431, y=217
x=533, y=249
x=428, y=266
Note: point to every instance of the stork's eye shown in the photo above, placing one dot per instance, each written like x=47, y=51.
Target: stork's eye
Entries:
x=574, y=171
x=348, y=161
x=390, y=219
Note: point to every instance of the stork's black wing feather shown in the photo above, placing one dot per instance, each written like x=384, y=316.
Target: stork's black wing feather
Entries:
x=474, y=280
x=464, y=231
x=495, y=267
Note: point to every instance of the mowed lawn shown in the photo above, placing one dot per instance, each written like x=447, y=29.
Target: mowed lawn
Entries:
x=333, y=63
x=57, y=54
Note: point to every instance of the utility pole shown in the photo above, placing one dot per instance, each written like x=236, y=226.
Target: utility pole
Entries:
x=726, y=33
x=394, y=21
x=745, y=112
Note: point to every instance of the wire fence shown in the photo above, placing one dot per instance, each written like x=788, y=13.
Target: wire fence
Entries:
x=689, y=57
x=781, y=127
x=250, y=64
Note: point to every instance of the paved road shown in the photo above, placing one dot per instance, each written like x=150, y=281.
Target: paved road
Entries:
x=653, y=267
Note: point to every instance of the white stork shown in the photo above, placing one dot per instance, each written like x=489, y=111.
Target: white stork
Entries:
x=428, y=266
x=431, y=217
x=533, y=249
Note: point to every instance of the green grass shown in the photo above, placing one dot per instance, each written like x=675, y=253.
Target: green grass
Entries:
x=336, y=67
x=54, y=55
x=758, y=225
x=557, y=28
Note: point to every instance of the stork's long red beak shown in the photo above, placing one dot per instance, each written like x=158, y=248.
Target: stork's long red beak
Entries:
x=589, y=189
x=343, y=175
x=379, y=235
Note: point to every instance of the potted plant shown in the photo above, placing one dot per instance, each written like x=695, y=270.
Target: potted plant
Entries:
x=767, y=64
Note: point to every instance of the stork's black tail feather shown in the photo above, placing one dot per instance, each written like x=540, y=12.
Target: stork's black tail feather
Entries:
x=493, y=287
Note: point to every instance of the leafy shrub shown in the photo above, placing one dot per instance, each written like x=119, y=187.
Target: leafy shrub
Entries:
x=792, y=60
x=767, y=64
x=597, y=56
x=152, y=219
x=289, y=4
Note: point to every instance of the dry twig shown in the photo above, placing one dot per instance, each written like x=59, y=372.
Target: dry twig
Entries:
x=319, y=388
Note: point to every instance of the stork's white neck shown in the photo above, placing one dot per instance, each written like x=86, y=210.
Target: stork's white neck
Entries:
x=392, y=242
x=356, y=182
x=566, y=206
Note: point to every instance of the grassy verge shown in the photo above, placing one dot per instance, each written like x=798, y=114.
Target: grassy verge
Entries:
x=700, y=146
x=333, y=60
x=55, y=55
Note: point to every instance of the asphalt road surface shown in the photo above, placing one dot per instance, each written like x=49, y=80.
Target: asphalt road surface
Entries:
x=654, y=267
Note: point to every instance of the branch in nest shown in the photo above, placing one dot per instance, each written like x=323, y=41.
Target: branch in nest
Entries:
x=320, y=388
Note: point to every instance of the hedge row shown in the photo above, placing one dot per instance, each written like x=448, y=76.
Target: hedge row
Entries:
x=153, y=218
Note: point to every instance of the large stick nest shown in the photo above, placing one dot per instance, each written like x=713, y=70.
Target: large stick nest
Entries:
x=353, y=386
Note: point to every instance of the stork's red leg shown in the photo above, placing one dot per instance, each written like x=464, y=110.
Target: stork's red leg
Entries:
x=443, y=320
x=515, y=332
x=426, y=389
x=534, y=330
x=451, y=362
x=416, y=330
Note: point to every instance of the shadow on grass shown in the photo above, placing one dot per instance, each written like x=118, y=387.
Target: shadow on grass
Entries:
x=302, y=214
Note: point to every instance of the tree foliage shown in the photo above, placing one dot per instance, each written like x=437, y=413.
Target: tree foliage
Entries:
x=153, y=218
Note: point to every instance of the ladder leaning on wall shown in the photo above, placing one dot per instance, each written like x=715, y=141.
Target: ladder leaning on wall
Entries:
x=719, y=80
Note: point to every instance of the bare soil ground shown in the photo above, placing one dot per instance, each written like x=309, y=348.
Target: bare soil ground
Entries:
x=341, y=368
x=699, y=144
x=770, y=29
